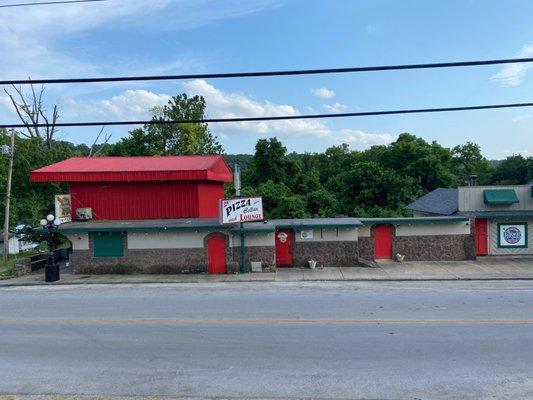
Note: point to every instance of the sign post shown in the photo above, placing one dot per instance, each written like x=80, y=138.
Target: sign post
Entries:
x=240, y=210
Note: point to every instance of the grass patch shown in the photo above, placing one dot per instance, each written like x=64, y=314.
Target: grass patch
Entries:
x=7, y=268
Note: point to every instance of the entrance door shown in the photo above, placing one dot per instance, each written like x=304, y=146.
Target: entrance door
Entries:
x=482, y=237
x=216, y=255
x=284, y=244
x=382, y=242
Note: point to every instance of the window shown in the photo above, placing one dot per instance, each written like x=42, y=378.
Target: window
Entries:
x=108, y=244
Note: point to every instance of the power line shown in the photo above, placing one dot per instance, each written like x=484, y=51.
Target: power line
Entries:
x=45, y=3
x=271, y=118
x=268, y=73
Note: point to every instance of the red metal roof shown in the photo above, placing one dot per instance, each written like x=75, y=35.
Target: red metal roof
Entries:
x=117, y=169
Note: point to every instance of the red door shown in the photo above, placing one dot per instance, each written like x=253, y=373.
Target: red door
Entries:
x=382, y=242
x=482, y=242
x=284, y=244
x=216, y=255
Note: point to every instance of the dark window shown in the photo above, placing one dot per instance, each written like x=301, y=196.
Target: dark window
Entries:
x=108, y=244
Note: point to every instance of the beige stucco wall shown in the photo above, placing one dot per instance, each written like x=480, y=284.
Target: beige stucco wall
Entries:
x=166, y=240
x=471, y=198
x=80, y=241
x=327, y=235
x=452, y=228
x=253, y=239
x=493, y=239
x=364, y=231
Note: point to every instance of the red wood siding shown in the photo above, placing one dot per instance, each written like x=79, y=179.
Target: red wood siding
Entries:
x=209, y=195
x=147, y=200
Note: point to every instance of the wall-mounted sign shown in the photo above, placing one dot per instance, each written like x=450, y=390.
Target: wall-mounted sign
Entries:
x=63, y=207
x=246, y=209
x=306, y=234
x=512, y=235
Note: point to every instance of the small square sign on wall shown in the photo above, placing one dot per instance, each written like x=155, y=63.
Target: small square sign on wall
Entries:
x=512, y=235
x=308, y=234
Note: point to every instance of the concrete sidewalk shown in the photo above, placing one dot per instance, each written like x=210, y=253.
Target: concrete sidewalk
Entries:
x=485, y=268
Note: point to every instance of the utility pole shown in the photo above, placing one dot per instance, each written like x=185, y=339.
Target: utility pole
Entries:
x=237, y=185
x=8, y=196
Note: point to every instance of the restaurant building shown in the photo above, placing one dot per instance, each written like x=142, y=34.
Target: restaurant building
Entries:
x=501, y=216
x=161, y=215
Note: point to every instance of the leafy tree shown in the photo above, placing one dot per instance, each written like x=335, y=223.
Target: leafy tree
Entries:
x=31, y=201
x=321, y=203
x=368, y=187
x=270, y=162
x=467, y=160
x=428, y=164
x=172, y=139
x=513, y=170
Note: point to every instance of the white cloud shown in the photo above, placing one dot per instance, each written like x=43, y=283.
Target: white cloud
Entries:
x=6, y=108
x=522, y=118
x=133, y=104
x=222, y=104
x=364, y=139
x=524, y=153
x=513, y=74
x=30, y=35
x=128, y=105
x=323, y=93
x=335, y=108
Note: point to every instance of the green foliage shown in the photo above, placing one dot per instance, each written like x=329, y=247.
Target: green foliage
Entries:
x=371, y=189
x=513, y=170
x=171, y=139
x=31, y=201
x=270, y=162
x=467, y=160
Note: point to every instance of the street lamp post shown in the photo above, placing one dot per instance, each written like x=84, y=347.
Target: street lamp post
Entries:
x=51, y=271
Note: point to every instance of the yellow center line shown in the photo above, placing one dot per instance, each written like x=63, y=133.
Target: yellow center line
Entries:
x=266, y=321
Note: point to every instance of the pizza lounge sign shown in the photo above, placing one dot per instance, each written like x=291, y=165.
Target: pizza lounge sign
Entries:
x=512, y=235
x=246, y=209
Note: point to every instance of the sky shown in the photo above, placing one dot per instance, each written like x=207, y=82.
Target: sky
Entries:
x=138, y=37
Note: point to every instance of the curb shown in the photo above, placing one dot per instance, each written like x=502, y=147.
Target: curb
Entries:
x=28, y=284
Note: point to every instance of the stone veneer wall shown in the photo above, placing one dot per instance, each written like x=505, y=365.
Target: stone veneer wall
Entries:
x=265, y=254
x=425, y=247
x=145, y=261
x=435, y=247
x=327, y=254
x=366, y=247
x=165, y=261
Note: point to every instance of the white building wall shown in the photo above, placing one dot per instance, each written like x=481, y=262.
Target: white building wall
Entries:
x=327, y=235
x=252, y=239
x=80, y=241
x=428, y=229
x=166, y=240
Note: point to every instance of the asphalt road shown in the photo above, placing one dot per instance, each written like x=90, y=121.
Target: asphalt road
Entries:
x=447, y=340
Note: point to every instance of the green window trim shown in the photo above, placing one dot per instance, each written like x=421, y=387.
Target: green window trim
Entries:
x=108, y=244
x=526, y=236
x=500, y=196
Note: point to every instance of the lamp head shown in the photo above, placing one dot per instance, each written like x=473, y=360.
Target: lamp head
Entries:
x=57, y=222
x=43, y=222
x=50, y=217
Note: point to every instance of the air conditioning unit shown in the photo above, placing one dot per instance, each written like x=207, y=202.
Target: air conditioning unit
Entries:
x=84, y=214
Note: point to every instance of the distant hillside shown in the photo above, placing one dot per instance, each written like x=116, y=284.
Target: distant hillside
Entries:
x=242, y=159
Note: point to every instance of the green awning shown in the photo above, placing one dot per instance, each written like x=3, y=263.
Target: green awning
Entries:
x=500, y=196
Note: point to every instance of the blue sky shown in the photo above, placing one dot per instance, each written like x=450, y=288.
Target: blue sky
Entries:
x=120, y=37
